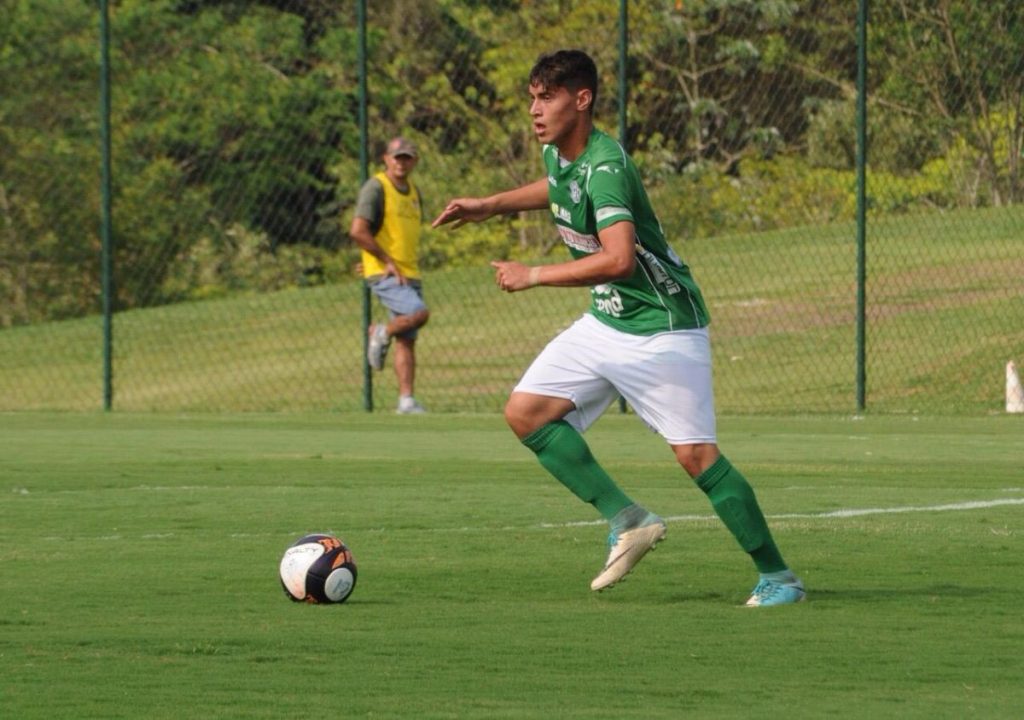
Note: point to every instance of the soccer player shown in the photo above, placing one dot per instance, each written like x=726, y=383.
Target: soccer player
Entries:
x=644, y=336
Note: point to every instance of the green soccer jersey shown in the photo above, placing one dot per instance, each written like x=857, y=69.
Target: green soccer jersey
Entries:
x=600, y=188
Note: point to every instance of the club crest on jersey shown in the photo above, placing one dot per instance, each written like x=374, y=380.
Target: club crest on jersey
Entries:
x=574, y=191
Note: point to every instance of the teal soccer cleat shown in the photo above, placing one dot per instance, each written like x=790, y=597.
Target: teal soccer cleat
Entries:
x=769, y=593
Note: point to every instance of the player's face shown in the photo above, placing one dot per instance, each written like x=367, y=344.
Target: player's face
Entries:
x=399, y=167
x=556, y=112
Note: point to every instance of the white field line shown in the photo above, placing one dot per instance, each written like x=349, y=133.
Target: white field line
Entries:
x=844, y=513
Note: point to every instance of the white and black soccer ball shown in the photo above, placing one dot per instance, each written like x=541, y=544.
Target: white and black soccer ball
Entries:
x=318, y=569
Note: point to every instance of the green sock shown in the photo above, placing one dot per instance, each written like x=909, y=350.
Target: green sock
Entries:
x=733, y=500
x=564, y=453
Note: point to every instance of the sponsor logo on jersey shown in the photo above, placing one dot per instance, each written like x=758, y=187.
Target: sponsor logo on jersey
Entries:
x=608, y=169
x=578, y=241
x=657, y=270
x=607, y=300
x=561, y=213
x=552, y=181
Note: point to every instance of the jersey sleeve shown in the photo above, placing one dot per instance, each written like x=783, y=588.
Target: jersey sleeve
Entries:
x=370, y=204
x=609, y=191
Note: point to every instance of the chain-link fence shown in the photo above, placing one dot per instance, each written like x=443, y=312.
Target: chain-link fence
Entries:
x=236, y=162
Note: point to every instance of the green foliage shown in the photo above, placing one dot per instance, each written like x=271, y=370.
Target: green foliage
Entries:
x=246, y=119
x=896, y=143
x=956, y=71
x=220, y=121
x=760, y=195
x=49, y=194
x=237, y=119
x=239, y=260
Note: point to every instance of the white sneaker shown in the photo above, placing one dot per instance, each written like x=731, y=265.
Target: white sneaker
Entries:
x=377, y=347
x=627, y=548
x=409, y=406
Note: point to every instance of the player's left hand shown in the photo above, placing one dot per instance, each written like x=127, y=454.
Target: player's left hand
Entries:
x=511, y=276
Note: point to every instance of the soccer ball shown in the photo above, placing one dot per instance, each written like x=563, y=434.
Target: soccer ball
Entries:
x=318, y=569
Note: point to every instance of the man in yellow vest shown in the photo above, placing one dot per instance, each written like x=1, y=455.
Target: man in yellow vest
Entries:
x=386, y=226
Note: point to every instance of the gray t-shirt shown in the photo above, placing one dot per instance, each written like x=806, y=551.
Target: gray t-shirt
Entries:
x=370, y=204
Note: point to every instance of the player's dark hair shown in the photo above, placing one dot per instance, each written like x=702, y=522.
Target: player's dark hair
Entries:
x=571, y=69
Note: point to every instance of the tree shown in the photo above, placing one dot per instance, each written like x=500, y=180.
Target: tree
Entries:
x=713, y=83
x=958, y=69
x=49, y=197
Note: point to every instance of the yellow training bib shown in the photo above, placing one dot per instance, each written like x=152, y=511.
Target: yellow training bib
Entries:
x=399, y=234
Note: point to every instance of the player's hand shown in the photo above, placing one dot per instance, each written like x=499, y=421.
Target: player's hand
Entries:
x=391, y=269
x=511, y=276
x=461, y=211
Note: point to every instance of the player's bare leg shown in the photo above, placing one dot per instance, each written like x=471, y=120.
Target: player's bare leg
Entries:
x=380, y=335
x=401, y=324
x=405, y=354
x=405, y=372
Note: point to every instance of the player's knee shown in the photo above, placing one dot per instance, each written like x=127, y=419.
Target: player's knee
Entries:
x=524, y=415
x=696, y=458
x=517, y=418
x=420, y=317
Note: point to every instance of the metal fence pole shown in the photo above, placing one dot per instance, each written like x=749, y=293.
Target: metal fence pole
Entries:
x=623, y=94
x=106, y=254
x=862, y=62
x=364, y=161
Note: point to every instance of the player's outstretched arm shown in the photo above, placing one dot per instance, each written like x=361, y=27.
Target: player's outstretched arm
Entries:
x=459, y=211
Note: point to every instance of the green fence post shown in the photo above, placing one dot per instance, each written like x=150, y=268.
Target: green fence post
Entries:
x=623, y=94
x=862, y=62
x=106, y=253
x=364, y=161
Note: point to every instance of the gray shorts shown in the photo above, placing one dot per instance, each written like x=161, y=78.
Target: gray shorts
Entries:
x=397, y=298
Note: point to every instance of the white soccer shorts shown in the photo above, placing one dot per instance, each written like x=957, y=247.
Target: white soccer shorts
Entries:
x=665, y=378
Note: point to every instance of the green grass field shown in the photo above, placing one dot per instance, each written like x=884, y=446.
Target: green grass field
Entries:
x=138, y=572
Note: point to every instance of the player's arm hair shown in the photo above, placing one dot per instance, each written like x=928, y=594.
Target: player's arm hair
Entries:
x=532, y=196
